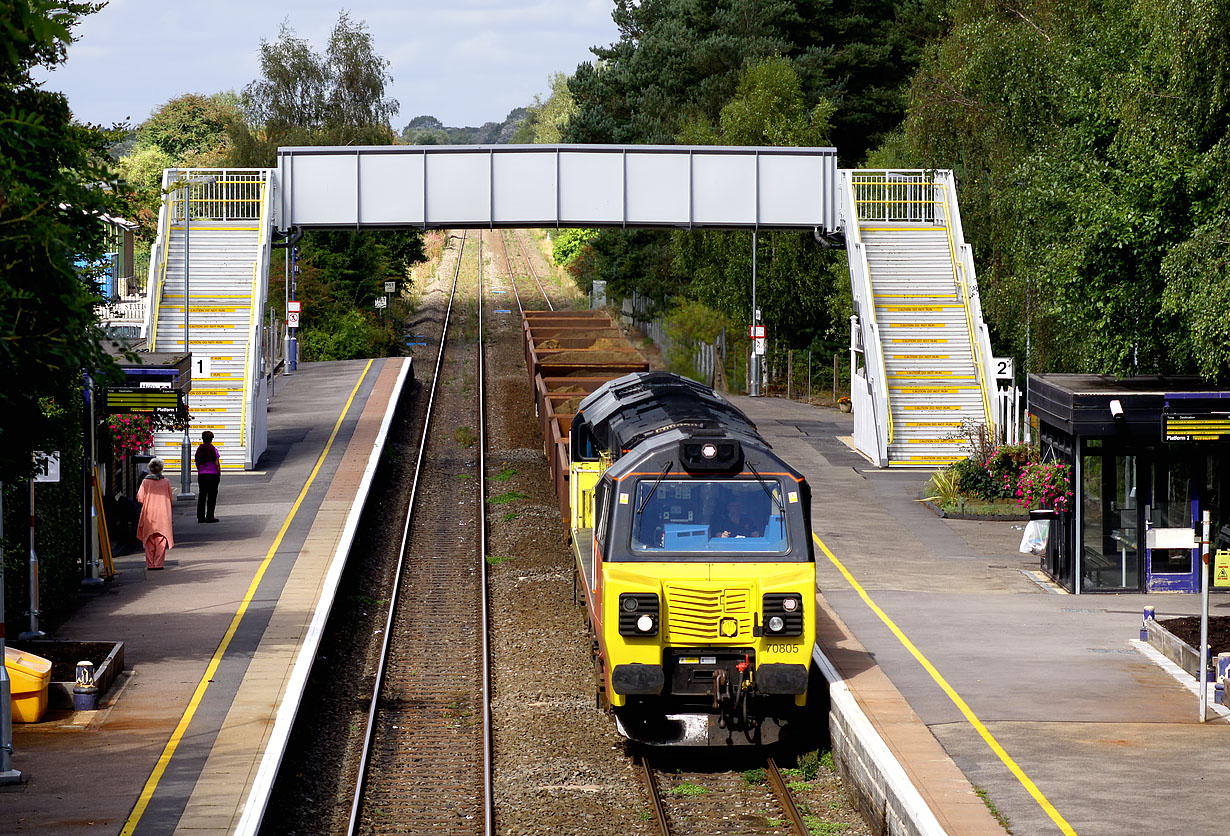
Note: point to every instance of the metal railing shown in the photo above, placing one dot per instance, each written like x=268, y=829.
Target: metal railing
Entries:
x=896, y=196
x=963, y=270
x=864, y=299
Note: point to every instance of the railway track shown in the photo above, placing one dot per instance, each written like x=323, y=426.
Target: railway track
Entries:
x=683, y=802
x=426, y=762
x=522, y=305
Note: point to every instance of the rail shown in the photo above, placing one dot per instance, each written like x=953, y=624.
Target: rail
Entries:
x=975, y=342
x=390, y=627
x=860, y=280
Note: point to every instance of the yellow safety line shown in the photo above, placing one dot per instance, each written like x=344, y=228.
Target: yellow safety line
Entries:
x=982, y=730
x=168, y=751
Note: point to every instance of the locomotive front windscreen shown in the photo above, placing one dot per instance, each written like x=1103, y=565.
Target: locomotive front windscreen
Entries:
x=707, y=518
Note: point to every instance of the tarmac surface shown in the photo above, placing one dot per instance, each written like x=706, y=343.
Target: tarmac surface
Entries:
x=1100, y=738
x=90, y=772
x=1110, y=739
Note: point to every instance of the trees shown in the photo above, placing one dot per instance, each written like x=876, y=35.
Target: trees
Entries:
x=52, y=187
x=307, y=98
x=1089, y=138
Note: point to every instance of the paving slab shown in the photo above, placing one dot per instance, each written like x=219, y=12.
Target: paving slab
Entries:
x=1109, y=738
x=86, y=772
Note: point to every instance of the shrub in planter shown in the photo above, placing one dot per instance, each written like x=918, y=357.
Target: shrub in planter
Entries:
x=973, y=480
x=1005, y=463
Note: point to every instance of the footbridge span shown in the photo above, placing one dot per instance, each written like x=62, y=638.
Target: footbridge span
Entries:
x=925, y=354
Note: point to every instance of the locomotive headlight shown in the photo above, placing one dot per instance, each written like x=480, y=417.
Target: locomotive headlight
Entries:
x=709, y=451
x=790, y=604
x=638, y=614
x=776, y=624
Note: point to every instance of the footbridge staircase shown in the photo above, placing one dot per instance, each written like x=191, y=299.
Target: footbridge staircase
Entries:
x=219, y=221
x=926, y=376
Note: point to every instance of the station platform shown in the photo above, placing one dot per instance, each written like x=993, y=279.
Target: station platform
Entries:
x=212, y=641
x=981, y=677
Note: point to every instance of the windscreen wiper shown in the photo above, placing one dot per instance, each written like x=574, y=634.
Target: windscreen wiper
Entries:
x=765, y=487
x=656, y=482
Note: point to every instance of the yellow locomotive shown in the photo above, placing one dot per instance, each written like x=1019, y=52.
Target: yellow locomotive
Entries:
x=693, y=547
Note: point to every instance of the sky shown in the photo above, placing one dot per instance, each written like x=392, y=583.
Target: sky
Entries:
x=466, y=62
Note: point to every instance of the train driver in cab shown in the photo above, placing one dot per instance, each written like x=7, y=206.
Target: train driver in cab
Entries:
x=737, y=521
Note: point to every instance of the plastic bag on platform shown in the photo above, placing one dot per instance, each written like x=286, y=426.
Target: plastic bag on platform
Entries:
x=1033, y=540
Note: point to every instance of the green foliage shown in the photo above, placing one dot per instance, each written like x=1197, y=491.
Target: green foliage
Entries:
x=350, y=335
x=687, y=323
x=973, y=480
x=1091, y=140
x=428, y=130
x=809, y=765
x=49, y=168
x=567, y=244
x=507, y=497
x=687, y=789
x=545, y=121
x=754, y=777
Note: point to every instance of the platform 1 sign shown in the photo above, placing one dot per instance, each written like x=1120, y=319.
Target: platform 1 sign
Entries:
x=122, y=400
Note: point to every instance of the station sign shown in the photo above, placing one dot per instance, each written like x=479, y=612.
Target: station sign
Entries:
x=294, y=306
x=757, y=332
x=1005, y=368
x=390, y=287
x=122, y=400
x=1189, y=420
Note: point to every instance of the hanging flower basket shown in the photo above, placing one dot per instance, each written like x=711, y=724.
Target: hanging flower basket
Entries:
x=131, y=435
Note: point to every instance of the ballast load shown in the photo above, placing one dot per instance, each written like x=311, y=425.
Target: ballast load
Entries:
x=693, y=552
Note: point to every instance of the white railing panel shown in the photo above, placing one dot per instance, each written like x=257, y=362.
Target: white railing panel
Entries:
x=866, y=434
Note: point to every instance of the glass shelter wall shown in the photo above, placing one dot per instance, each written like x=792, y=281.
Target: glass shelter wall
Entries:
x=1110, y=524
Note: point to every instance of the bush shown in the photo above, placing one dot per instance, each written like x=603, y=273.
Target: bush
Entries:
x=973, y=480
x=567, y=244
x=350, y=336
x=1005, y=463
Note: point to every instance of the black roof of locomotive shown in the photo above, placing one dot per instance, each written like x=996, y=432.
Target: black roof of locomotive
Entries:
x=624, y=412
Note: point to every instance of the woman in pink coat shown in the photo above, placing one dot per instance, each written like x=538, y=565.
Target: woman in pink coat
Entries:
x=154, y=529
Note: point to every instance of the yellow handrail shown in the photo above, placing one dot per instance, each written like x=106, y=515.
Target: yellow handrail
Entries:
x=958, y=271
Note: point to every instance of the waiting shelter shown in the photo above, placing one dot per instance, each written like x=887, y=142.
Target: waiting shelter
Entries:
x=1149, y=456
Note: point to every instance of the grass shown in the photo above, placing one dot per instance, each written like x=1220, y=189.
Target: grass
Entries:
x=507, y=497
x=465, y=436
x=504, y=475
x=365, y=600
x=510, y=516
x=463, y=476
x=688, y=790
x=824, y=828
x=497, y=559
x=984, y=507
x=754, y=777
x=981, y=792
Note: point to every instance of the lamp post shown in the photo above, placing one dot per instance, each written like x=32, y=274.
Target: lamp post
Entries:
x=185, y=461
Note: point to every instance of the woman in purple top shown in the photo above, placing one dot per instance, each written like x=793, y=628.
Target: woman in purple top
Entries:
x=208, y=473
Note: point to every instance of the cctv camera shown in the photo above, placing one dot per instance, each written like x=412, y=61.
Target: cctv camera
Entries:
x=1116, y=410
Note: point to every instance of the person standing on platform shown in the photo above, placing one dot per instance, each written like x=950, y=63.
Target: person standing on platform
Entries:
x=208, y=474
x=154, y=528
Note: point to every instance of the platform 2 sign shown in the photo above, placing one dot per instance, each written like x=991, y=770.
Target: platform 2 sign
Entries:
x=1195, y=420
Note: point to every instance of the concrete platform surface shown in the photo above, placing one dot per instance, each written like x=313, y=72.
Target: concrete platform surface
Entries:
x=248, y=584
x=1109, y=740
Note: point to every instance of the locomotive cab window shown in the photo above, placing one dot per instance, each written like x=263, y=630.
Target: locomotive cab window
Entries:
x=732, y=518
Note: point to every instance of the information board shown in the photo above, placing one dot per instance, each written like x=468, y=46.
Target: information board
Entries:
x=126, y=399
x=1195, y=420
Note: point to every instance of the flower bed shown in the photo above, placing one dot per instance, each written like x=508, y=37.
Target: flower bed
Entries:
x=1003, y=480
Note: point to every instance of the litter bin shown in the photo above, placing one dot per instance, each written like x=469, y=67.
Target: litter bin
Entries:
x=29, y=676
x=1048, y=520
